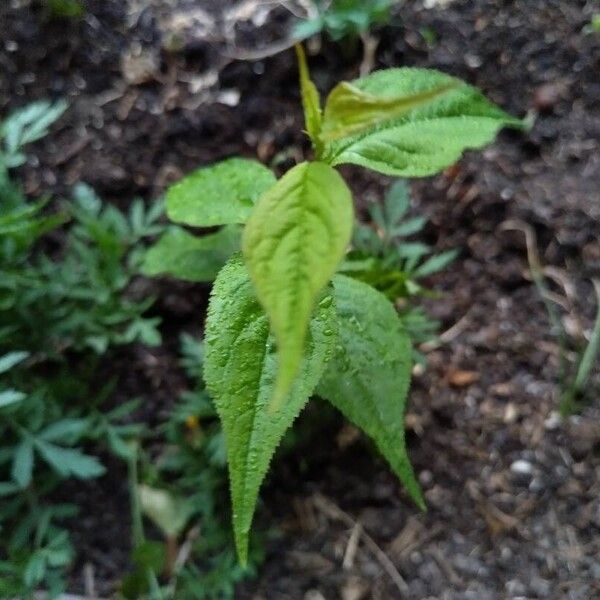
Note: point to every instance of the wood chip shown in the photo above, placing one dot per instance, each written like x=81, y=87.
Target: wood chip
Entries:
x=461, y=378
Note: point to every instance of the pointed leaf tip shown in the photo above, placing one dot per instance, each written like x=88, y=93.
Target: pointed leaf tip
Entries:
x=369, y=377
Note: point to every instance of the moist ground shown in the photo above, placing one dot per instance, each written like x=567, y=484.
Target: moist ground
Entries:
x=513, y=492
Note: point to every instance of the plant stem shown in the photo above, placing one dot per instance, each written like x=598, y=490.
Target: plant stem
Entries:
x=591, y=351
x=137, y=525
x=172, y=550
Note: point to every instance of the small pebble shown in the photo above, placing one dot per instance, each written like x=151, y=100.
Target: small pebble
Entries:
x=536, y=485
x=425, y=478
x=553, y=421
x=473, y=60
x=515, y=588
x=546, y=96
x=521, y=467
x=540, y=587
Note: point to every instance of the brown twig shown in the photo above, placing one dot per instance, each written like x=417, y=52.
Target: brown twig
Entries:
x=352, y=547
x=447, y=336
x=261, y=53
x=330, y=509
x=370, y=43
x=89, y=580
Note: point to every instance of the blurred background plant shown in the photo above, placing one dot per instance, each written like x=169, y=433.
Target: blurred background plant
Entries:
x=181, y=490
x=67, y=299
x=385, y=255
x=67, y=290
x=345, y=19
x=578, y=351
x=63, y=302
x=347, y=22
x=594, y=25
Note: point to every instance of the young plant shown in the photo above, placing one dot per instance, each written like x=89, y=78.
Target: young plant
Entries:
x=53, y=300
x=345, y=19
x=281, y=323
x=75, y=298
x=382, y=257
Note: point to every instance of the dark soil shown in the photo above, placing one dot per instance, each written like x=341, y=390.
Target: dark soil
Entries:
x=513, y=491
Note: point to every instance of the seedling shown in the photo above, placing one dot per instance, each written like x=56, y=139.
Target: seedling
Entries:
x=572, y=385
x=345, y=19
x=383, y=257
x=282, y=325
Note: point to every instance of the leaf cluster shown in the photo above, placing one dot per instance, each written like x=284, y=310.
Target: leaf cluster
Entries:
x=62, y=303
x=46, y=428
x=74, y=296
x=383, y=257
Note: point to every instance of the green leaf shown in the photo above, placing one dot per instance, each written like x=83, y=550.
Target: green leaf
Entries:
x=435, y=263
x=8, y=488
x=293, y=242
x=369, y=377
x=186, y=256
x=311, y=101
x=408, y=122
x=397, y=200
x=66, y=429
x=8, y=397
x=350, y=110
x=240, y=368
x=30, y=123
x=118, y=445
x=150, y=555
x=65, y=9
x=221, y=194
x=8, y=361
x=409, y=227
x=35, y=569
x=169, y=513
x=69, y=462
x=592, y=349
x=307, y=28
x=22, y=466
